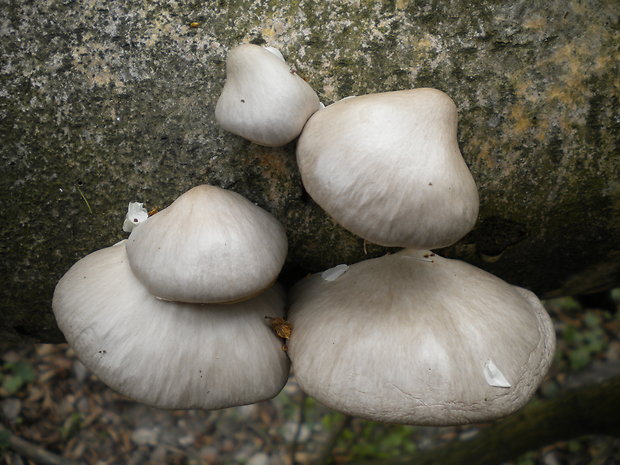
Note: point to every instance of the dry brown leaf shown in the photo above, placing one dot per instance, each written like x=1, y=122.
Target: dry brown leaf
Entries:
x=112, y=434
x=281, y=327
x=48, y=404
x=91, y=418
x=79, y=450
x=47, y=349
x=46, y=376
x=35, y=395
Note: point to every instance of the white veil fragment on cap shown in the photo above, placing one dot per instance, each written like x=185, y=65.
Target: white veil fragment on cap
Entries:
x=334, y=273
x=136, y=214
x=494, y=376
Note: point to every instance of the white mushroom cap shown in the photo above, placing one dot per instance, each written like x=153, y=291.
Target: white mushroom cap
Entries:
x=418, y=339
x=210, y=245
x=263, y=100
x=387, y=167
x=168, y=354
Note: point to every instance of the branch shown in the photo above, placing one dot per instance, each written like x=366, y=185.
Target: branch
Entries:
x=300, y=424
x=588, y=410
x=32, y=451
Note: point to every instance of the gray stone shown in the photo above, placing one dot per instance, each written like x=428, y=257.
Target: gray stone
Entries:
x=289, y=431
x=259, y=459
x=11, y=408
x=103, y=104
x=208, y=453
x=243, y=453
x=145, y=436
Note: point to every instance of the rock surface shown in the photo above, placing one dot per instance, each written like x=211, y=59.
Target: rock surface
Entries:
x=103, y=104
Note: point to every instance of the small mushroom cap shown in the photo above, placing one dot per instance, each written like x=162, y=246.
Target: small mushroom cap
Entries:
x=387, y=167
x=415, y=338
x=210, y=245
x=168, y=354
x=263, y=100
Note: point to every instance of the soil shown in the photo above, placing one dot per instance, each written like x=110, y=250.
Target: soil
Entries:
x=51, y=400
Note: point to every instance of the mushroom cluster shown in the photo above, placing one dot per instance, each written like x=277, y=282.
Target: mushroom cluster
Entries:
x=176, y=315
x=412, y=337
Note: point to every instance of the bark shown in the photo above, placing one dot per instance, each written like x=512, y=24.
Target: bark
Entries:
x=103, y=104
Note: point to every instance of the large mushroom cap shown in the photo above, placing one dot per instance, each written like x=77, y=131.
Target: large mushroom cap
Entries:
x=263, y=100
x=418, y=339
x=168, y=354
x=387, y=167
x=211, y=245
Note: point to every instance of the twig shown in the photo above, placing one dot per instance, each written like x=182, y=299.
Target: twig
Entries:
x=33, y=452
x=263, y=436
x=300, y=424
x=326, y=455
x=84, y=198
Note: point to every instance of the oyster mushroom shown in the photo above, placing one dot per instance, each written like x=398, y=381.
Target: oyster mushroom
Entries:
x=415, y=338
x=210, y=245
x=387, y=167
x=168, y=354
x=263, y=100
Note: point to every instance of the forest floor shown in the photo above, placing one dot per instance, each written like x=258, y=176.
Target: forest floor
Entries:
x=51, y=402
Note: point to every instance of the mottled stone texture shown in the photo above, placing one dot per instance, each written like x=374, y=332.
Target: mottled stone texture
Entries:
x=102, y=103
